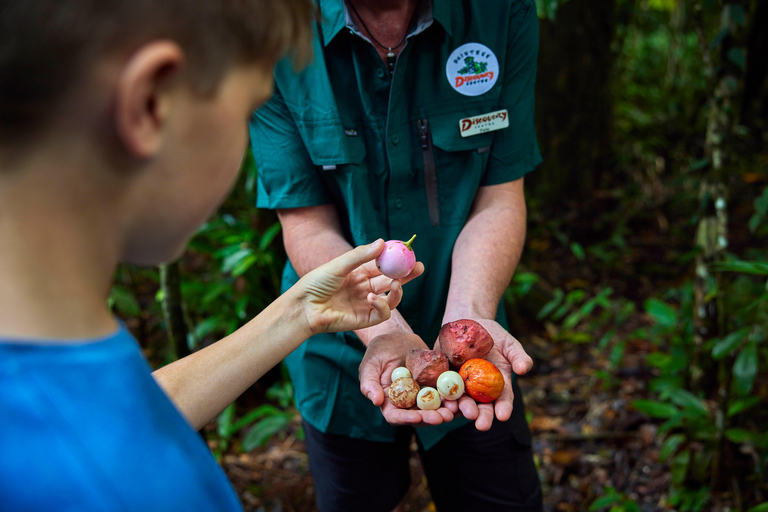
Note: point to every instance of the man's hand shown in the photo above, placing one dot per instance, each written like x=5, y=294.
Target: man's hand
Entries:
x=348, y=292
x=509, y=356
x=385, y=353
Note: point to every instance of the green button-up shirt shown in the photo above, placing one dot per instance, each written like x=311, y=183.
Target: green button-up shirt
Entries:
x=396, y=155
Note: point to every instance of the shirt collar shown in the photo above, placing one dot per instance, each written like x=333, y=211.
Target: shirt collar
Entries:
x=333, y=18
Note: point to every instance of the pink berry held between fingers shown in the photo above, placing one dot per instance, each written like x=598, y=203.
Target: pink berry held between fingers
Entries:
x=397, y=259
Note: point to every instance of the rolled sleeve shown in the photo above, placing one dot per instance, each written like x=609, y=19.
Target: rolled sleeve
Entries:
x=287, y=177
x=515, y=150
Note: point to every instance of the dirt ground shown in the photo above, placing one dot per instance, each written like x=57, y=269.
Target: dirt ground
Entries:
x=586, y=439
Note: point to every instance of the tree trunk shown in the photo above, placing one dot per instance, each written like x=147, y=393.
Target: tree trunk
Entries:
x=173, y=311
x=710, y=319
x=573, y=111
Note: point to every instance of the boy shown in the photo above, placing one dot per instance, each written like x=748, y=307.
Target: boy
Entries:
x=122, y=123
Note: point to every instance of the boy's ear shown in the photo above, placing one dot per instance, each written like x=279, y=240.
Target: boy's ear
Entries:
x=144, y=96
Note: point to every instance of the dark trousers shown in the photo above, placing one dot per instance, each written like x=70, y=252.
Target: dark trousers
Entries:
x=467, y=471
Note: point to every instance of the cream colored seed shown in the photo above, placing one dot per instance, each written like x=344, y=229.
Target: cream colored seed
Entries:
x=428, y=399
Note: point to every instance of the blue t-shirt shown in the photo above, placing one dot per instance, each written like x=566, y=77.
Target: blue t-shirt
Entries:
x=85, y=427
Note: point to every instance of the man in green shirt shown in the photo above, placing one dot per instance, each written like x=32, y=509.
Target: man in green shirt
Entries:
x=415, y=117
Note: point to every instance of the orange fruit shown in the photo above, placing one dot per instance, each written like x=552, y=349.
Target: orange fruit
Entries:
x=482, y=380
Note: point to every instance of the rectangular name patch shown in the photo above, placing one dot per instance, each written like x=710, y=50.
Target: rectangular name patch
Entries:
x=483, y=123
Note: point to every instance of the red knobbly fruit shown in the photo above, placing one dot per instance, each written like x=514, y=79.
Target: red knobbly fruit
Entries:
x=397, y=259
x=426, y=365
x=463, y=340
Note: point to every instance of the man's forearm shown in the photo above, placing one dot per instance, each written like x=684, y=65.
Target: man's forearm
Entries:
x=312, y=237
x=487, y=251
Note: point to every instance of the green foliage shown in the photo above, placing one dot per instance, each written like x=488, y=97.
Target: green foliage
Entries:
x=123, y=301
x=614, y=501
x=263, y=422
x=236, y=264
x=696, y=415
x=548, y=8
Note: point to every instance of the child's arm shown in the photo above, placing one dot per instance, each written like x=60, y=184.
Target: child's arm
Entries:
x=341, y=295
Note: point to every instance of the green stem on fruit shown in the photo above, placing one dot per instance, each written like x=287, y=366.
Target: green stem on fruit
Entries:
x=409, y=242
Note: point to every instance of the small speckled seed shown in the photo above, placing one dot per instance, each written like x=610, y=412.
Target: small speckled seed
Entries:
x=403, y=392
x=428, y=399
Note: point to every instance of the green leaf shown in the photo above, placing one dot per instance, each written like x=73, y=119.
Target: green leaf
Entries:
x=742, y=404
x=659, y=359
x=214, y=292
x=550, y=306
x=745, y=369
x=617, y=354
x=737, y=15
x=224, y=421
x=719, y=38
x=605, y=501
x=740, y=435
x=234, y=259
x=761, y=211
x=578, y=251
x=655, y=409
x=664, y=314
x=243, y=265
x=763, y=507
x=662, y=5
x=261, y=411
x=123, y=300
x=725, y=346
x=207, y=326
x=745, y=267
x=689, y=402
x=698, y=164
x=630, y=506
x=671, y=445
x=679, y=467
x=268, y=236
x=263, y=430
x=738, y=56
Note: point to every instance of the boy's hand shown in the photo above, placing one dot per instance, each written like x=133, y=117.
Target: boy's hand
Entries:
x=349, y=292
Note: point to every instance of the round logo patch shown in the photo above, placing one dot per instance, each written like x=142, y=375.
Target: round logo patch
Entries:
x=472, y=69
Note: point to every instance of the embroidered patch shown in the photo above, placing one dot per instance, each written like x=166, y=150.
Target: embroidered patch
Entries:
x=483, y=123
x=472, y=69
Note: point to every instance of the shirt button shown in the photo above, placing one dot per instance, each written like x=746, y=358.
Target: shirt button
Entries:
x=380, y=73
x=395, y=139
x=398, y=203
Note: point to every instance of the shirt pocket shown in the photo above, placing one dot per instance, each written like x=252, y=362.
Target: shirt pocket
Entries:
x=339, y=155
x=329, y=144
x=453, y=166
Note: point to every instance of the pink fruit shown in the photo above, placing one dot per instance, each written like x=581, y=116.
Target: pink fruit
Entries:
x=397, y=259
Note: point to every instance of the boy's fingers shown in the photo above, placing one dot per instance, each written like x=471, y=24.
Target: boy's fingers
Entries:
x=350, y=260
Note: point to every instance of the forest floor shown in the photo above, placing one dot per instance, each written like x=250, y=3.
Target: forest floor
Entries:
x=586, y=439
